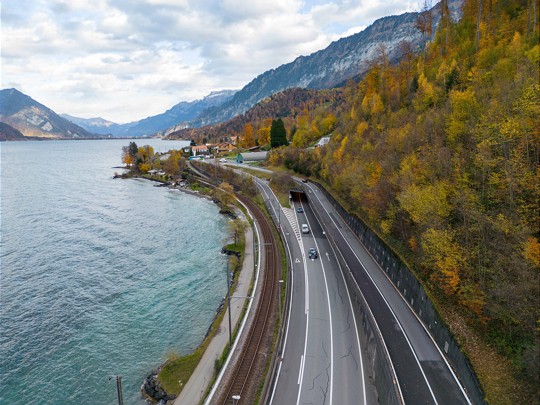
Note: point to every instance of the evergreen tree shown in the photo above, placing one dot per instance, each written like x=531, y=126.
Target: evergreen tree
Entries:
x=278, y=134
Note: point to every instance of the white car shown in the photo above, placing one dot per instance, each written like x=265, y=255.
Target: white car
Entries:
x=305, y=228
x=223, y=160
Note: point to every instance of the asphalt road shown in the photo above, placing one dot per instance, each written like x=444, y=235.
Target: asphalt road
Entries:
x=423, y=374
x=322, y=360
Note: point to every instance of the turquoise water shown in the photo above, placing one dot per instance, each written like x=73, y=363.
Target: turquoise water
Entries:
x=99, y=277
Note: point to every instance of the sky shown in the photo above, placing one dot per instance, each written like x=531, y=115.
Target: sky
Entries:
x=124, y=60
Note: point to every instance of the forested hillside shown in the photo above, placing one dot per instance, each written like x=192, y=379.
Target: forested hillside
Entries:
x=253, y=127
x=440, y=154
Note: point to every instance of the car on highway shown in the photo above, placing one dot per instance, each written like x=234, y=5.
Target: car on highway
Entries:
x=305, y=228
x=304, y=180
x=300, y=210
x=223, y=160
x=312, y=253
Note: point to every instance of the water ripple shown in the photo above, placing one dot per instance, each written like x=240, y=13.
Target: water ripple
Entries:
x=99, y=276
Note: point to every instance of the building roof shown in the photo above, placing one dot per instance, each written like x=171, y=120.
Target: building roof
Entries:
x=323, y=141
x=200, y=147
x=252, y=156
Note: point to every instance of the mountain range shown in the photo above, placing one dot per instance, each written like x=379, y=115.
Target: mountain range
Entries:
x=174, y=118
x=342, y=60
x=33, y=119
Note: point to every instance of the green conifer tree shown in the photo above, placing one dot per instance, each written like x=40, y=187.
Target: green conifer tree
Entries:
x=278, y=134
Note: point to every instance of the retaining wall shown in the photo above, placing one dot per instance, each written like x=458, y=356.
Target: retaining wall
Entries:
x=413, y=291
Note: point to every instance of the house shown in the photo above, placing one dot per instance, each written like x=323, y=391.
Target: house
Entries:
x=200, y=150
x=224, y=147
x=251, y=157
x=323, y=141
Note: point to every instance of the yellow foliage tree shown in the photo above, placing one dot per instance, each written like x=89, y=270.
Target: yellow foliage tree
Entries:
x=427, y=205
x=248, y=140
x=464, y=111
x=446, y=256
x=263, y=135
x=531, y=251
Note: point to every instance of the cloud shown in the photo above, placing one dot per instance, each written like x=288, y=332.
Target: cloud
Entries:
x=125, y=60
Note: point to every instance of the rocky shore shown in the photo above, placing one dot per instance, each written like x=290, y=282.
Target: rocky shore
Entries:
x=152, y=390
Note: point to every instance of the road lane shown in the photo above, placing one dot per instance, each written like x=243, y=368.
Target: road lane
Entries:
x=423, y=373
x=322, y=351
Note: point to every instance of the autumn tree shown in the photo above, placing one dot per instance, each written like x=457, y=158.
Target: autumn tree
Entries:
x=174, y=164
x=247, y=139
x=129, y=153
x=237, y=228
x=440, y=153
x=263, y=135
x=224, y=194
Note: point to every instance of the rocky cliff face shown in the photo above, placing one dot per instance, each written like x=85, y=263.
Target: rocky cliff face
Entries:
x=340, y=61
x=33, y=119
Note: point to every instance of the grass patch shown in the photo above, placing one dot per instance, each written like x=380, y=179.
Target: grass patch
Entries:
x=257, y=173
x=177, y=370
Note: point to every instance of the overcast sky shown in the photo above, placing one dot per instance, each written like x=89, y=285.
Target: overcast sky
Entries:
x=125, y=60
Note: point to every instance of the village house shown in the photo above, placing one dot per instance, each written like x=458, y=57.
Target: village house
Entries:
x=224, y=147
x=200, y=150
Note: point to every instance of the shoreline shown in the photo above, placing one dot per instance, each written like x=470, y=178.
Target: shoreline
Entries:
x=162, y=183
x=151, y=389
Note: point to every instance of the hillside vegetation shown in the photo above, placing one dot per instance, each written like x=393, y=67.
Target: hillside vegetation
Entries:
x=440, y=154
x=287, y=104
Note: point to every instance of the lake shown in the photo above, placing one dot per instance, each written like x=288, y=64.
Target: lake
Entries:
x=99, y=277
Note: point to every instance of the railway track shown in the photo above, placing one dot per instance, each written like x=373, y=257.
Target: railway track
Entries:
x=261, y=327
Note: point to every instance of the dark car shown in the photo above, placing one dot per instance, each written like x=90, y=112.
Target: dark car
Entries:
x=312, y=254
x=300, y=210
x=304, y=180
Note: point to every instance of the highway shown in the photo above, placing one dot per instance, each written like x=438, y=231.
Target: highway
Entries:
x=322, y=361
x=423, y=374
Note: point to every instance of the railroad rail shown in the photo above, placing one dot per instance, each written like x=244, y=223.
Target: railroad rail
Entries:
x=261, y=327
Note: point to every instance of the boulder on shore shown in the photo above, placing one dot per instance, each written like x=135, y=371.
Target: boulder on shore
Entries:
x=152, y=389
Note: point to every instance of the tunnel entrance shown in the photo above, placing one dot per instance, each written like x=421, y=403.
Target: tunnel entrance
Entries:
x=297, y=195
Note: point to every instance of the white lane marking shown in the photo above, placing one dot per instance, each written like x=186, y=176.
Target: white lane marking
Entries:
x=387, y=303
x=330, y=319
x=462, y=389
x=306, y=292
x=286, y=337
x=327, y=256
x=301, y=369
x=364, y=394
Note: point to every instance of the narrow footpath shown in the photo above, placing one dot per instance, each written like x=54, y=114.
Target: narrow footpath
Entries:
x=195, y=388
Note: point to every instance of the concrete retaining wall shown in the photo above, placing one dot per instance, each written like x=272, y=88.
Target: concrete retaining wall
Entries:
x=413, y=291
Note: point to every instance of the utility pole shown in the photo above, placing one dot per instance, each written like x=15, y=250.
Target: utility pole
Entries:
x=119, y=389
